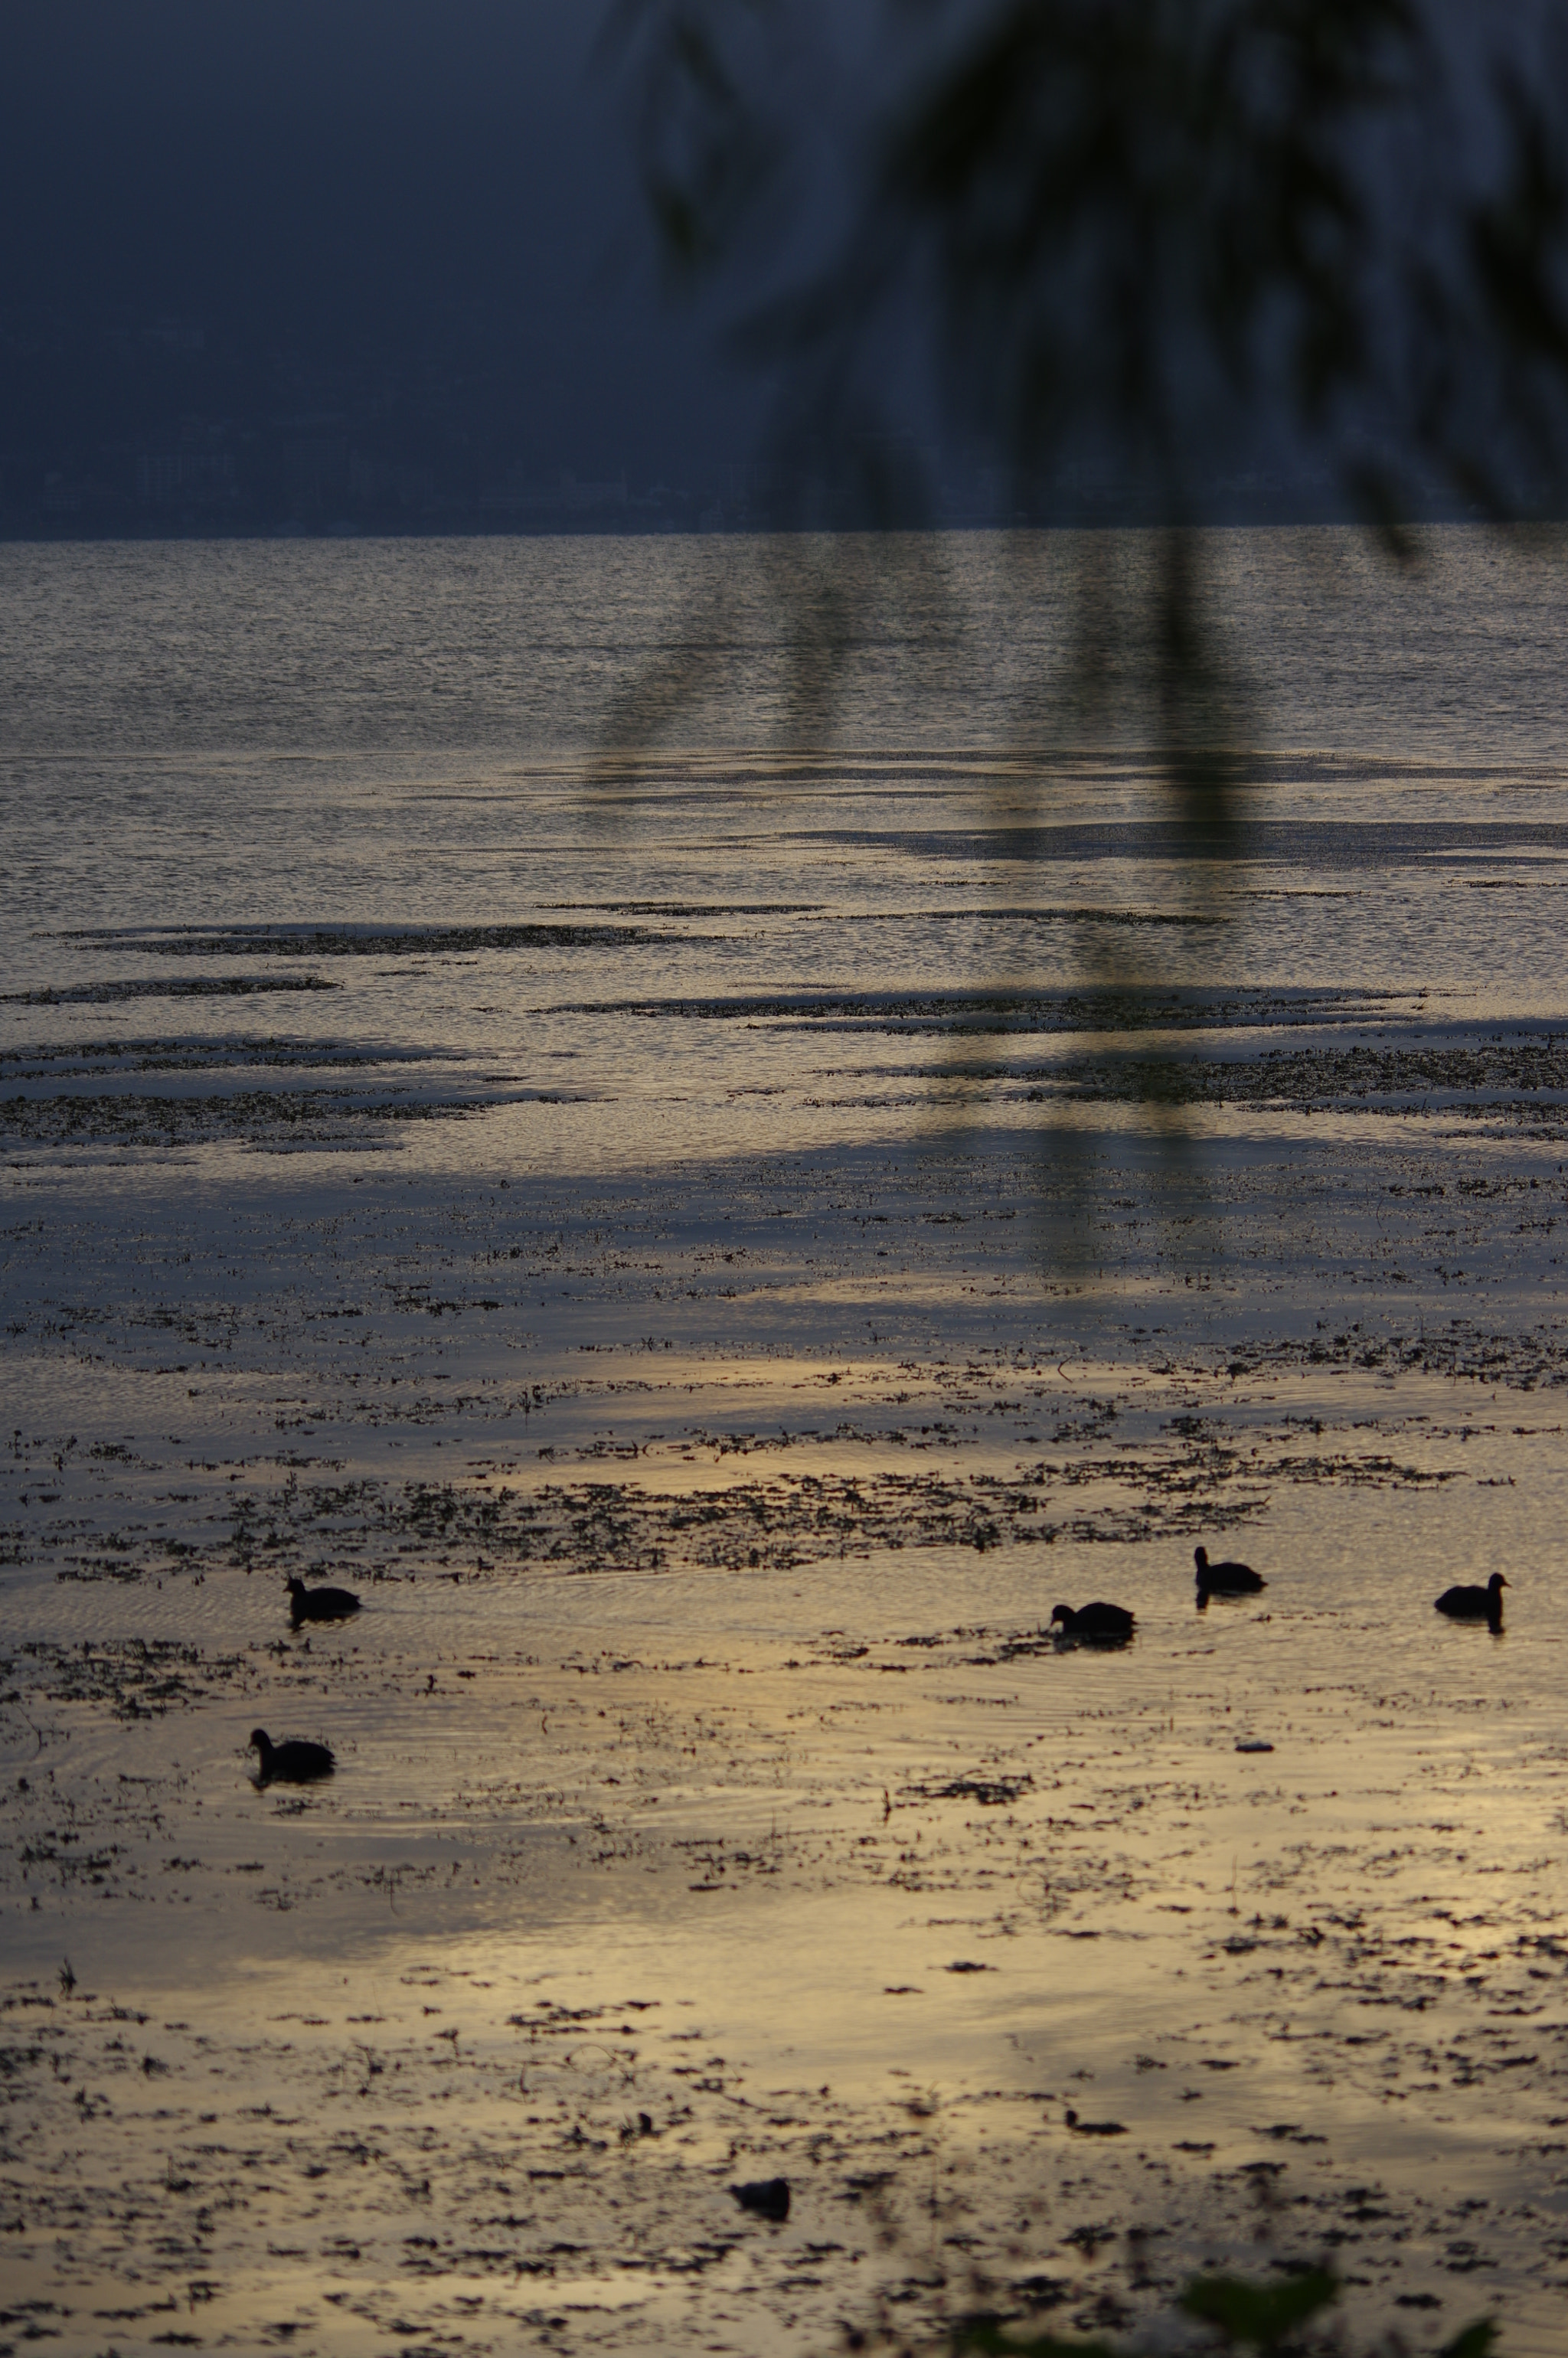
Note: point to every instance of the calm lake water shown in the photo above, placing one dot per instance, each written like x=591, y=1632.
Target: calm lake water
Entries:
x=670, y=1113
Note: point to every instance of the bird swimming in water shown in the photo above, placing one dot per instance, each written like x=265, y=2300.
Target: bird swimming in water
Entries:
x=1475, y=1604
x=1224, y=1579
x=320, y=1604
x=294, y=1763
x=769, y=2197
x=1096, y=1624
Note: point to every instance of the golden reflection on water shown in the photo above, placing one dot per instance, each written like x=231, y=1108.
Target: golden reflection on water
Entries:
x=712, y=1424
x=814, y=1882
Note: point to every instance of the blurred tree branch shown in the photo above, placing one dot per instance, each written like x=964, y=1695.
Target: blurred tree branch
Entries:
x=1135, y=237
x=1143, y=226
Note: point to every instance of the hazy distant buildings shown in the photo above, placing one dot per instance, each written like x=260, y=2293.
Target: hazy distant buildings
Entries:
x=186, y=478
x=113, y=423
x=315, y=475
x=566, y=499
x=176, y=336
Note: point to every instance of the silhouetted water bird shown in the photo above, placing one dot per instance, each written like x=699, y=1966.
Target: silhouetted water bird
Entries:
x=1224, y=1579
x=320, y=1604
x=769, y=2197
x=294, y=1763
x=1096, y=1624
x=1475, y=1604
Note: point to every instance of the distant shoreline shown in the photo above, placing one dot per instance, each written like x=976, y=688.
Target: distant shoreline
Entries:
x=1088, y=520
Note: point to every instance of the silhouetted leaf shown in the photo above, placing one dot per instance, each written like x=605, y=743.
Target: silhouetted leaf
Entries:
x=985, y=2336
x=705, y=143
x=1476, y=2341
x=1261, y=2315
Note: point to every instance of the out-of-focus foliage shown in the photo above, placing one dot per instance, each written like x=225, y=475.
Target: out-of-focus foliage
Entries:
x=1143, y=245
x=1139, y=242
x=1269, y=2318
x=1259, y=2316
x=706, y=148
x=1138, y=228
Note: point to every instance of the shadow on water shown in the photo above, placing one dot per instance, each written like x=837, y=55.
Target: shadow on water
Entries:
x=1145, y=263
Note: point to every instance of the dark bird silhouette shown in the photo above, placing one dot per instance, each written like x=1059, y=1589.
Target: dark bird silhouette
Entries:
x=1224, y=1579
x=294, y=1763
x=320, y=1604
x=1096, y=1624
x=769, y=2197
x=1475, y=1604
